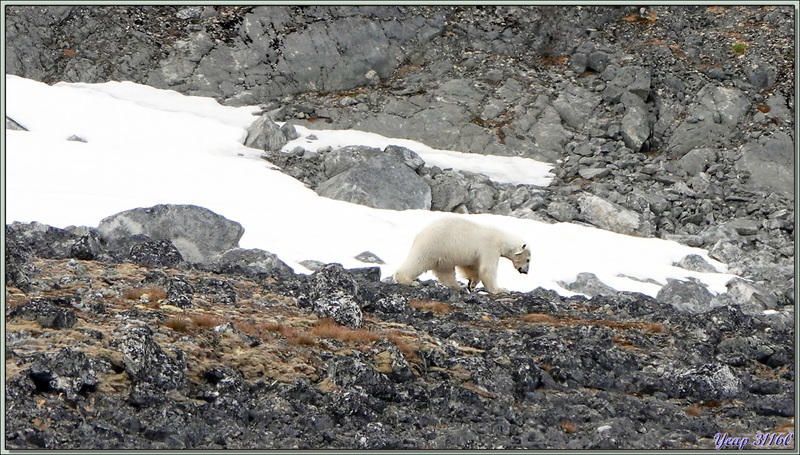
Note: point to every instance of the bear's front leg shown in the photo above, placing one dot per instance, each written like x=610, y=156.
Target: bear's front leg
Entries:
x=488, y=275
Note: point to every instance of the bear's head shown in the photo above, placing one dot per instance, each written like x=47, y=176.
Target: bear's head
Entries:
x=521, y=257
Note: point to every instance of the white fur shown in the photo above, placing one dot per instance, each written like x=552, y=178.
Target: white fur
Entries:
x=456, y=242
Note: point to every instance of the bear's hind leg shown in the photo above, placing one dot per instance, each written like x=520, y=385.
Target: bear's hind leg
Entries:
x=471, y=274
x=447, y=277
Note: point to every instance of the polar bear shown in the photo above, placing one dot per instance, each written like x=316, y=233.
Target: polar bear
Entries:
x=457, y=243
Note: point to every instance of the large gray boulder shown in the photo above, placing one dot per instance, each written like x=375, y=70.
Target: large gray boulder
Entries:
x=575, y=105
x=770, y=161
x=715, y=115
x=384, y=182
x=687, y=296
x=199, y=234
x=609, y=216
x=345, y=158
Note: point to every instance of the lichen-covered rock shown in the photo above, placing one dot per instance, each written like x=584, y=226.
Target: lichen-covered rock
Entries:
x=199, y=234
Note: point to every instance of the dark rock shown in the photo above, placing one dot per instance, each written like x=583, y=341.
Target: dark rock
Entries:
x=334, y=294
x=709, y=382
x=88, y=247
x=153, y=372
x=46, y=313
x=350, y=373
x=160, y=253
x=179, y=292
x=383, y=182
x=199, y=234
x=262, y=261
x=43, y=240
x=217, y=291
x=70, y=372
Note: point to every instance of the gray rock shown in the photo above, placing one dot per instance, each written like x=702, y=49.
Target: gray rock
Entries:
x=255, y=258
x=727, y=252
x=635, y=128
x=369, y=258
x=345, y=158
x=199, y=234
x=751, y=297
x=264, y=134
x=575, y=105
x=770, y=162
x=696, y=263
x=383, y=182
x=687, y=296
x=700, y=129
x=745, y=226
x=607, y=215
x=722, y=231
x=562, y=211
x=590, y=285
x=697, y=160
x=312, y=265
x=593, y=173
x=449, y=190
x=628, y=79
x=482, y=197
x=289, y=131
x=408, y=156
x=14, y=126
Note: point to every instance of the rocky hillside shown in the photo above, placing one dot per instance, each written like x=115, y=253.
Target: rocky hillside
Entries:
x=114, y=341
x=675, y=122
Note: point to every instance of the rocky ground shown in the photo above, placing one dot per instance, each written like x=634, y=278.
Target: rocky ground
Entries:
x=675, y=122
x=143, y=350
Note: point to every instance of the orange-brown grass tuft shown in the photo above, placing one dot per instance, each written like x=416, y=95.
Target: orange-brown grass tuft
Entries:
x=154, y=293
x=429, y=305
x=693, y=410
x=177, y=324
x=205, y=320
x=327, y=328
